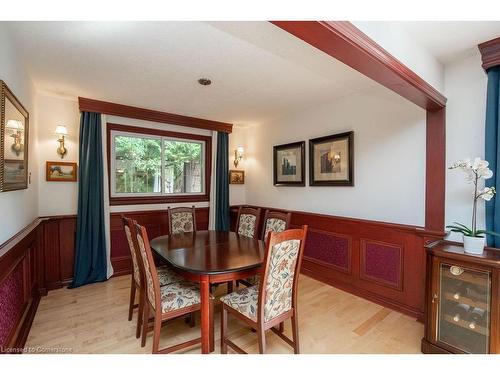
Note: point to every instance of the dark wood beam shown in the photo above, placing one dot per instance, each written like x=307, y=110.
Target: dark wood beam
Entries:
x=107, y=108
x=346, y=43
x=490, y=53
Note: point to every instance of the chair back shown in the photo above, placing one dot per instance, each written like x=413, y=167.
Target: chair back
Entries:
x=130, y=233
x=152, y=286
x=279, y=278
x=248, y=220
x=275, y=222
x=182, y=219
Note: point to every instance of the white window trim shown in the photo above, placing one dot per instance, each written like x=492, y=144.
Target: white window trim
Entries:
x=162, y=193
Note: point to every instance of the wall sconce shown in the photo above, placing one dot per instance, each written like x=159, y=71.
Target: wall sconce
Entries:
x=61, y=131
x=238, y=155
x=17, y=127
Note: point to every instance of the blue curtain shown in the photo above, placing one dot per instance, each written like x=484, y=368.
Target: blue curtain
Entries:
x=222, y=182
x=90, y=256
x=492, y=152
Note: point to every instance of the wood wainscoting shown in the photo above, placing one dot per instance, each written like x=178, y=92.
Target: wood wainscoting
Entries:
x=382, y=262
x=156, y=223
x=59, y=239
x=21, y=275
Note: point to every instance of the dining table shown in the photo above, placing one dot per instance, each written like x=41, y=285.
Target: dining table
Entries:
x=210, y=257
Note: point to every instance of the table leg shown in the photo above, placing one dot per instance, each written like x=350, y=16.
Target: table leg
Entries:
x=205, y=314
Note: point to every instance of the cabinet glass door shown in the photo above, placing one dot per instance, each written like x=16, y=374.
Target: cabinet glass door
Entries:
x=464, y=308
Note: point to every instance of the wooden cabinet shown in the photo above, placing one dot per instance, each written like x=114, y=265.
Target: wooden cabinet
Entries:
x=462, y=301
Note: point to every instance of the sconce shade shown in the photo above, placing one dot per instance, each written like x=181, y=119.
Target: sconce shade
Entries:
x=240, y=150
x=14, y=124
x=61, y=130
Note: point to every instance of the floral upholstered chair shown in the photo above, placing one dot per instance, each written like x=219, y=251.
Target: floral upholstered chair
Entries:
x=273, y=222
x=274, y=300
x=164, y=302
x=182, y=219
x=247, y=223
x=165, y=274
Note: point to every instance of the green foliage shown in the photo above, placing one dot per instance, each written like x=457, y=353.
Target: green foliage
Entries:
x=466, y=231
x=138, y=163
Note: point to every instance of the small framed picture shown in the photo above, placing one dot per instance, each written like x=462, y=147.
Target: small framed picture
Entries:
x=61, y=171
x=236, y=177
x=331, y=160
x=289, y=164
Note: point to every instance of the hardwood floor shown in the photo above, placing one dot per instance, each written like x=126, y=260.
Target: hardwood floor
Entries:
x=93, y=319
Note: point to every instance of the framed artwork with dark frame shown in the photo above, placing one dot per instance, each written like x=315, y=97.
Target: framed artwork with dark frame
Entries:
x=61, y=171
x=289, y=164
x=14, y=136
x=236, y=177
x=331, y=160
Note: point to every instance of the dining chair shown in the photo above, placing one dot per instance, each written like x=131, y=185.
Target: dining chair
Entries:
x=165, y=274
x=181, y=219
x=165, y=302
x=274, y=221
x=247, y=223
x=274, y=300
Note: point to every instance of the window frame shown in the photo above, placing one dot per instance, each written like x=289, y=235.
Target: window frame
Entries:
x=116, y=199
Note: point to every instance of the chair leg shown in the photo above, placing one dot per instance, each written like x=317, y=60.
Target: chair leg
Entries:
x=145, y=323
x=262, y=340
x=212, y=333
x=192, y=319
x=140, y=313
x=132, y=300
x=295, y=333
x=156, y=335
x=223, y=331
x=229, y=287
x=282, y=327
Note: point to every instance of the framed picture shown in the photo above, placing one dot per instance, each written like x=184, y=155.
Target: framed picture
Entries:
x=331, y=160
x=289, y=164
x=236, y=177
x=60, y=171
x=14, y=127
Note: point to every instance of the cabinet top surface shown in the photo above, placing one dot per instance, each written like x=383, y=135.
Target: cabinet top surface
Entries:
x=489, y=257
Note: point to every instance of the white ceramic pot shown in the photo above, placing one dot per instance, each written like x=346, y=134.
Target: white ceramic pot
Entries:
x=474, y=245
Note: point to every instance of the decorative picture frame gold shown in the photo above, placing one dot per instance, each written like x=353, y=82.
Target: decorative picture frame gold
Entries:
x=236, y=177
x=62, y=175
x=13, y=153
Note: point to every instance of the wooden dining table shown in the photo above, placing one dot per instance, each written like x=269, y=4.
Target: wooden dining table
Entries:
x=210, y=257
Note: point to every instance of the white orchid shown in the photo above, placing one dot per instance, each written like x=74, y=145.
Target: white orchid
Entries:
x=474, y=171
x=487, y=193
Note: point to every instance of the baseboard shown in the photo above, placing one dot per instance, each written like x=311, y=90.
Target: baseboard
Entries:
x=429, y=348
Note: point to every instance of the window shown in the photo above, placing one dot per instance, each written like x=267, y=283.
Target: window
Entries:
x=149, y=166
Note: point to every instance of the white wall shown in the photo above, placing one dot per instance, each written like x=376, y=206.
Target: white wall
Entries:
x=389, y=144
x=465, y=88
x=18, y=208
x=393, y=38
x=61, y=198
x=56, y=198
x=239, y=137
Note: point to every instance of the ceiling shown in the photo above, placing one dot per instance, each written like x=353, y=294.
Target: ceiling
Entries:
x=258, y=70
x=451, y=40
